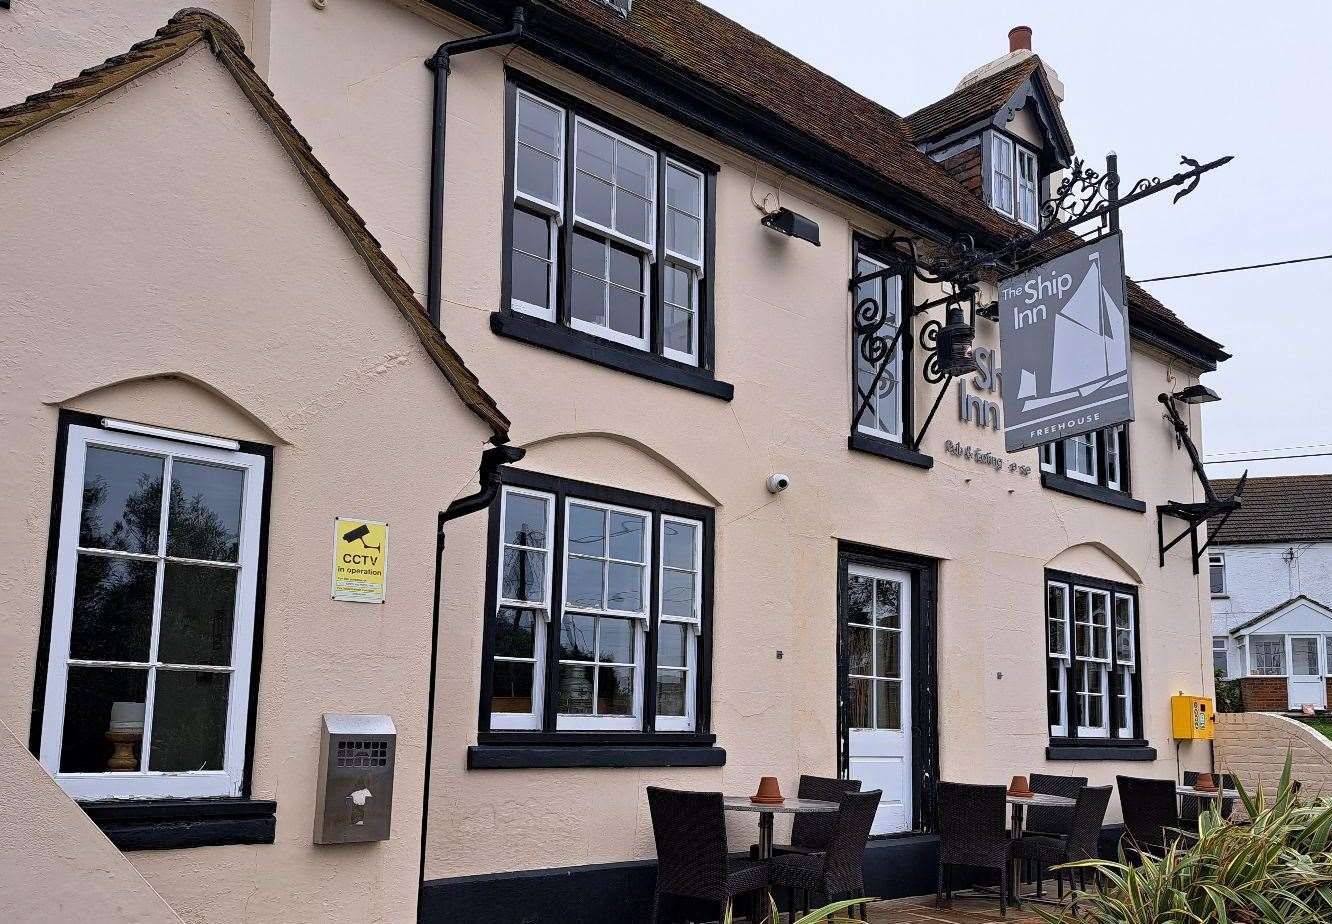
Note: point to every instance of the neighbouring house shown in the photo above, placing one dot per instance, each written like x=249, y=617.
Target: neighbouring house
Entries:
x=1270, y=578
x=706, y=567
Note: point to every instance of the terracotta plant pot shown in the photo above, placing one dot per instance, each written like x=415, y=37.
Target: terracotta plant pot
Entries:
x=1020, y=787
x=769, y=793
x=1205, y=783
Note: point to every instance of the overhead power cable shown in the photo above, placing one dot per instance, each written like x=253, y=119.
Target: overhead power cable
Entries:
x=1236, y=269
x=1303, y=455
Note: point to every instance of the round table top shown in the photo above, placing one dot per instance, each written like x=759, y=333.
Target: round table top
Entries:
x=1203, y=794
x=789, y=807
x=1040, y=798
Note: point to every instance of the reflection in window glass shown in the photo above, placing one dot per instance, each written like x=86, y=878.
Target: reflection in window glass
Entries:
x=113, y=608
x=189, y=721
x=122, y=501
x=876, y=314
x=204, y=514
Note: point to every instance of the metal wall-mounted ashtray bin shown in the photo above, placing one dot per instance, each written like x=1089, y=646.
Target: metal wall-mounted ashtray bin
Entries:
x=354, y=800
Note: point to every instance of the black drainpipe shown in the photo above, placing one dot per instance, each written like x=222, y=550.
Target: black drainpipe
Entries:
x=490, y=479
x=440, y=63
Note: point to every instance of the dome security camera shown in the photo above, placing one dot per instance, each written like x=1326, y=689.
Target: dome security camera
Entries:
x=778, y=483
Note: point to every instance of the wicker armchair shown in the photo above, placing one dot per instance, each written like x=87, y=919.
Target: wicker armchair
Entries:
x=838, y=871
x=972, y=833
x=811, y=831
x=1150, y=811
x=1050, y=819
x=690, y=831
x=1080, y=843
x=1193, y=806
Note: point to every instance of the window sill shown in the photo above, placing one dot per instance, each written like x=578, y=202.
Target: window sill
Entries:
x=1066, y=749
x=165, y=824
x=1095, y=492
x=611, y=355
x=533, y=755
x=874, y=445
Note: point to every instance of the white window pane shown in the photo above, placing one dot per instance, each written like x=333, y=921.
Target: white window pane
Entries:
x=538, y=158
x=1057, y=619
x=113, y=608
x=626, y=312
x=1304, y=657
x=594, y=199
x=626, y=536
x=531, y=266
x=678, y=593
x=95, y=697
x=615, y=691
x=537, y=174
x=525, y=518
x=584, y=583
x=540, y=125
x=672, y=641
x=122, y=500
x=615, y=640
x=624, y=587
x=635, y=170
x=198, y=609
x=189, y=721
x=204, y=511
x=587, y=530
x=524, y=575
x=680, y=544
x=672, y=687
x=678, y=325
x=684, y=234
x=578, y=638
x=633, y=215
x=511, y=687
x=596, y=152
x=576, y=685
x=684, y=190
x=515, y=634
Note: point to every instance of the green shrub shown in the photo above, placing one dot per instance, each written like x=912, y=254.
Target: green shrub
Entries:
x=1227, y=694
x=828, y=914
x=1276, y=868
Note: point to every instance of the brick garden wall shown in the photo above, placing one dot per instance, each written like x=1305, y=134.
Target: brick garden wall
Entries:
x=1264, y=694
x=1253, y=745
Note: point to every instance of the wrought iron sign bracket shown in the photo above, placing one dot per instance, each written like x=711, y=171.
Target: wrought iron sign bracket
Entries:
x=1194, y=513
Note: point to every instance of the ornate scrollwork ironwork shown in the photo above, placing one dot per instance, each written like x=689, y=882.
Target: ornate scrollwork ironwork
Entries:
x=932, y=367
x=1077, y=194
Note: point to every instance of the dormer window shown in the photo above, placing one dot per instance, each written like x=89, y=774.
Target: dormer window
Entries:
x=1014, y=180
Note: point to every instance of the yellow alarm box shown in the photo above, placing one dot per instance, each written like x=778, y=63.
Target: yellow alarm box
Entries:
x=1192, y=718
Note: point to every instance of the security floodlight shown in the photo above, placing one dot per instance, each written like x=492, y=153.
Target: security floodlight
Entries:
x=792, y=224
x=1196, y=394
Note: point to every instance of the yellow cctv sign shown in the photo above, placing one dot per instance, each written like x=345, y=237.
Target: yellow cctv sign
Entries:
x=360, y=560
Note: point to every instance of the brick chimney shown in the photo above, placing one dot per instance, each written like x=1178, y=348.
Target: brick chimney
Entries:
x=1019, y=39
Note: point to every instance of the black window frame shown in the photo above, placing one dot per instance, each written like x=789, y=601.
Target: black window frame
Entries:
x=1070, y=746
x=906, y=450
x=549, y=746
x=1122, y=496
x=559, y=335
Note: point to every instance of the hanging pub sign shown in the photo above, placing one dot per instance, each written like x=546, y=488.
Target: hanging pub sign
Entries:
x=1063, y=332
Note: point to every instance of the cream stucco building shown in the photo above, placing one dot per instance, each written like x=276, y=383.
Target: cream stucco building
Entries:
x=191, y=300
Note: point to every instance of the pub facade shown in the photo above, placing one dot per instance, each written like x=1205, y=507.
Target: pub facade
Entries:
x=608, y=257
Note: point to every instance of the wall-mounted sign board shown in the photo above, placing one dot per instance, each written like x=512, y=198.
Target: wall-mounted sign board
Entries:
x=1064, y=335
x=360, y=560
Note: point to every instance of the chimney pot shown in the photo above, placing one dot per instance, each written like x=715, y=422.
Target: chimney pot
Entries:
x=1019, y=39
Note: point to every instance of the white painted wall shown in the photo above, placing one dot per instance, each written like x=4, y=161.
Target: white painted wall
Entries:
x=1259, y=577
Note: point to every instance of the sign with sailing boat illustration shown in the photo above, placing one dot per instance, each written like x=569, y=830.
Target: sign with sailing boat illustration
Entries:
x=1063, y=330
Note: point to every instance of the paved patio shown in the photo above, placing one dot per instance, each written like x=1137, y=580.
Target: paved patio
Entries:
x=963, y=910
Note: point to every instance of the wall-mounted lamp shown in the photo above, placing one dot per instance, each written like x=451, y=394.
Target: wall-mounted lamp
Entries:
x=1196, y=394
x=955, y=344
x=792, y=225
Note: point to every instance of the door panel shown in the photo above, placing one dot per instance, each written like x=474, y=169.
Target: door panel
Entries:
x=1306, y=685
x=877, y=674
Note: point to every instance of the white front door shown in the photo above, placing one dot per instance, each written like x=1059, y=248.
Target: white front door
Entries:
x=1306, y=685
x=878, y=672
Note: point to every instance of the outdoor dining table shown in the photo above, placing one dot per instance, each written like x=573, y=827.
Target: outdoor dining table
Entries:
x=767, y=810
x=1019, y=804
x=1206, y=794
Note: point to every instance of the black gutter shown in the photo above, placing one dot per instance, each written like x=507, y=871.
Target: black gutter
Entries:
x=490, y=479
x=440, y=63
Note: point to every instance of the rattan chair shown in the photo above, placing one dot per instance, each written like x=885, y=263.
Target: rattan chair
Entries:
x=1193, y=806
x=1151, y=813
x=811, y=831
x=1080, y=843
x=972, y=833
x=690, y=831
x=1053, y=819
x=837, y=871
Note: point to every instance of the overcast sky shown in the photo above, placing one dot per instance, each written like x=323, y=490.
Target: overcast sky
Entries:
x=1151, y=82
